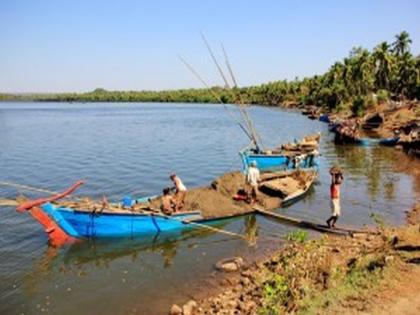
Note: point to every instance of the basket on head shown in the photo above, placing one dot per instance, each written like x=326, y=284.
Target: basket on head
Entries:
x=336, y=170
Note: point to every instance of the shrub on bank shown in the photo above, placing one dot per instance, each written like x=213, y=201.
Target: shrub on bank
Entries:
x=382, y=96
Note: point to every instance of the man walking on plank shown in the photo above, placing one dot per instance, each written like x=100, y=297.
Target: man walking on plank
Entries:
x=336, y=180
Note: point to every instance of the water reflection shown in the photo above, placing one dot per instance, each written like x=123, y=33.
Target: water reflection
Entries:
x=138, y=265
x=376, y=165
x=251, y=229
x=101, y=253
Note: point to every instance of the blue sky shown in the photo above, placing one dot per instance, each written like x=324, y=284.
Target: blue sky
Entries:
x=76, y=45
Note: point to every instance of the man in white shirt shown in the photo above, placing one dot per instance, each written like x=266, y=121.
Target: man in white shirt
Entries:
x=180, y=192
x=252, y=179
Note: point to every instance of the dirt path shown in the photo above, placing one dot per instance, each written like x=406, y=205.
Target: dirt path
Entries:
x=401, y=296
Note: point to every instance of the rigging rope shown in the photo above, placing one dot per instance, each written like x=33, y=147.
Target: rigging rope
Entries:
x=30, y=188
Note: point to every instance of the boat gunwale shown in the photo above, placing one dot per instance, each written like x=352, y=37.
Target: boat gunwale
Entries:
x=247, y=152
x=116, y=213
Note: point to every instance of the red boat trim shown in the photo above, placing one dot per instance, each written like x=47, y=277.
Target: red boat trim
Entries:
x=56, y=234
x=37, y=202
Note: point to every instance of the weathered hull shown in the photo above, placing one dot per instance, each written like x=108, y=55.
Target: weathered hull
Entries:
x=292, y=198
x=83, y=224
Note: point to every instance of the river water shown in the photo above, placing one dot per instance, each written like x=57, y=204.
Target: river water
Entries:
x=130, y=149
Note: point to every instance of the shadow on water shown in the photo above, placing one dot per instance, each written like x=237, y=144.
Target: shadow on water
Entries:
x=102, y=252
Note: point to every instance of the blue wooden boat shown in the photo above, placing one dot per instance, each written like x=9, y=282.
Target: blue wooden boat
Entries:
x=389, y=141
x=264, y=161
x=364, y=141
x=88, y=224
x=376, y=141
x=65, y=224
x=276, y=161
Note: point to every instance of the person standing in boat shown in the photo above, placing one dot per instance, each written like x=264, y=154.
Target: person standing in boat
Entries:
x=252, y=179
x=180, y=192
x=336, y=180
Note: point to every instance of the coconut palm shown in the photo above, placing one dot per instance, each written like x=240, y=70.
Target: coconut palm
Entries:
x=385, y=63
x=408, y=75
x=402, y=43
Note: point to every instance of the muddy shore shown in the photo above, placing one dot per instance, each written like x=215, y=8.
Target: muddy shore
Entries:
x=328, y=275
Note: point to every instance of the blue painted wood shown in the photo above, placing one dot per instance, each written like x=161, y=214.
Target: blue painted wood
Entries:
x=82, y=224
x=273, y=161
x=324, y=118
x=376, y=141
x=365, y=141
x=389, y=141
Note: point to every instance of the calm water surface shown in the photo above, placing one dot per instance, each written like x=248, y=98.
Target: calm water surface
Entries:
x=122, y=149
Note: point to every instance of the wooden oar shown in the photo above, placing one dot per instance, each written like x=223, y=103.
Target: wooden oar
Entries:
x=157, y=213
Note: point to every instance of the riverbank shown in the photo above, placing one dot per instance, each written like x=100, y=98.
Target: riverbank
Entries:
x=359, y=274
x=391, y=123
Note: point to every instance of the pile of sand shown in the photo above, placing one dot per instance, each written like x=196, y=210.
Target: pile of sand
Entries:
x=217, y=200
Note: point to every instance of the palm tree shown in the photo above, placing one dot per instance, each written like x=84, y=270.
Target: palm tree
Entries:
x=348, y=74
x=335, y=73
x=408, y=75
x=362, y=71
x=384, y=63
x=402, y=43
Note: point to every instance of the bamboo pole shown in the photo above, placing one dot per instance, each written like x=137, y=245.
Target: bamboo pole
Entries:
x=205, y=226
x=8, y=202
x=217, y=97
x=244, y=113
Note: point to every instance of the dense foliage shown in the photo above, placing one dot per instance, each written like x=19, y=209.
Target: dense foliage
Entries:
x=360, y=80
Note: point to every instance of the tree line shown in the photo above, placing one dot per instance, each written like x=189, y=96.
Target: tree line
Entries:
x=364, y=77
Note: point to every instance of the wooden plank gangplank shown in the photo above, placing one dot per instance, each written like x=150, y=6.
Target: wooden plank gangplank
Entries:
x=311, y=225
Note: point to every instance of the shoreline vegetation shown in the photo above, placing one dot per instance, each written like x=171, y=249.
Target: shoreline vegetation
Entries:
x=363, y=273
x=363, y=79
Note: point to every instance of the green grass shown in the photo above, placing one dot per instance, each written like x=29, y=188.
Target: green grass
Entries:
x=300, y=236
x=354, y=284
x=276, y=292
x=304, y=279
